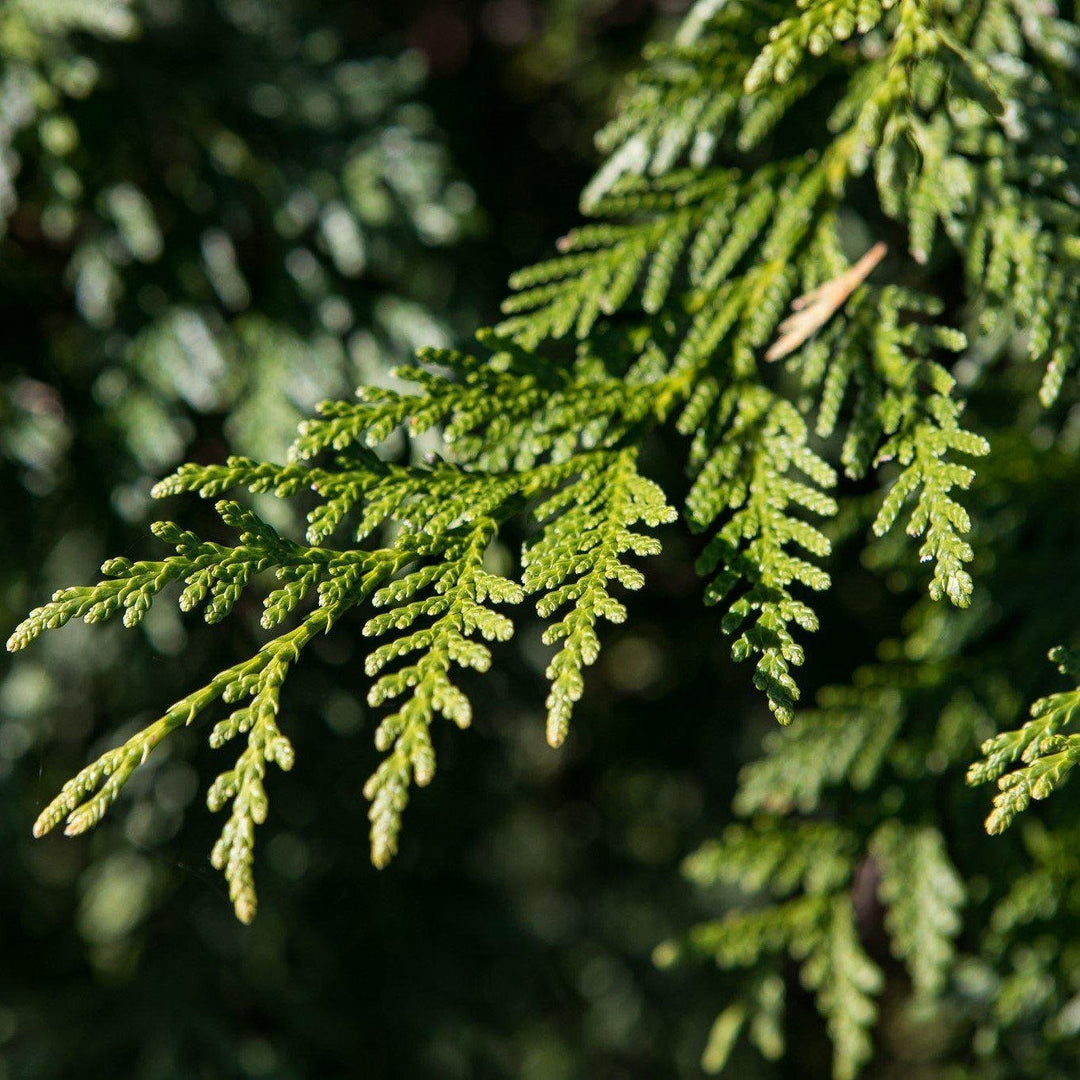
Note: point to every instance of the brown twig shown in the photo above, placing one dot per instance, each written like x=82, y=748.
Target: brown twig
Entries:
x=813, y=310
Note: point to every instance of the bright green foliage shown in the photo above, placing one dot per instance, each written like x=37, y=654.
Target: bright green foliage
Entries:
x=430, y=584
x=719, y=304
x=818, y=26
x=755, y=475
x=454, y=594
x=586, y=528
x=214, y=576
x=1045, y=752
x=715, y=298
x=904, y=411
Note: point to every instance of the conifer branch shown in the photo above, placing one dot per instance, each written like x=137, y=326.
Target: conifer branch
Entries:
x=815, y=928
x=668, y=308
x=755, y=473
x=1045, y=753
x=585, y=530
x=922, y=893
x=845, y=982
x=431, y=580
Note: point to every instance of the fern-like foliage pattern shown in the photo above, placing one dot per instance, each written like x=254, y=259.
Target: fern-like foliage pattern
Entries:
x=713, y=293
x=1033, y=761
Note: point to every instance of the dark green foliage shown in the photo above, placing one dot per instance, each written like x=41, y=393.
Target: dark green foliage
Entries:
x=289, y=250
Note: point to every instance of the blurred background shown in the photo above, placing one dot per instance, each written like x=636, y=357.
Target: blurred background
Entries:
x=215, y=213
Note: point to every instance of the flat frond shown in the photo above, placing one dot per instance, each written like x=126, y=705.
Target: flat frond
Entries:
x=1044, y=752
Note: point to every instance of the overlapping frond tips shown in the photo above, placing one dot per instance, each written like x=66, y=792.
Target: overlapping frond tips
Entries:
x=586, y=530
x=922, y=893
x=904, y=412
x=1043, y=750
x=806, y=870
x=446, y=605
x=757, y=476
x=430, y=578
